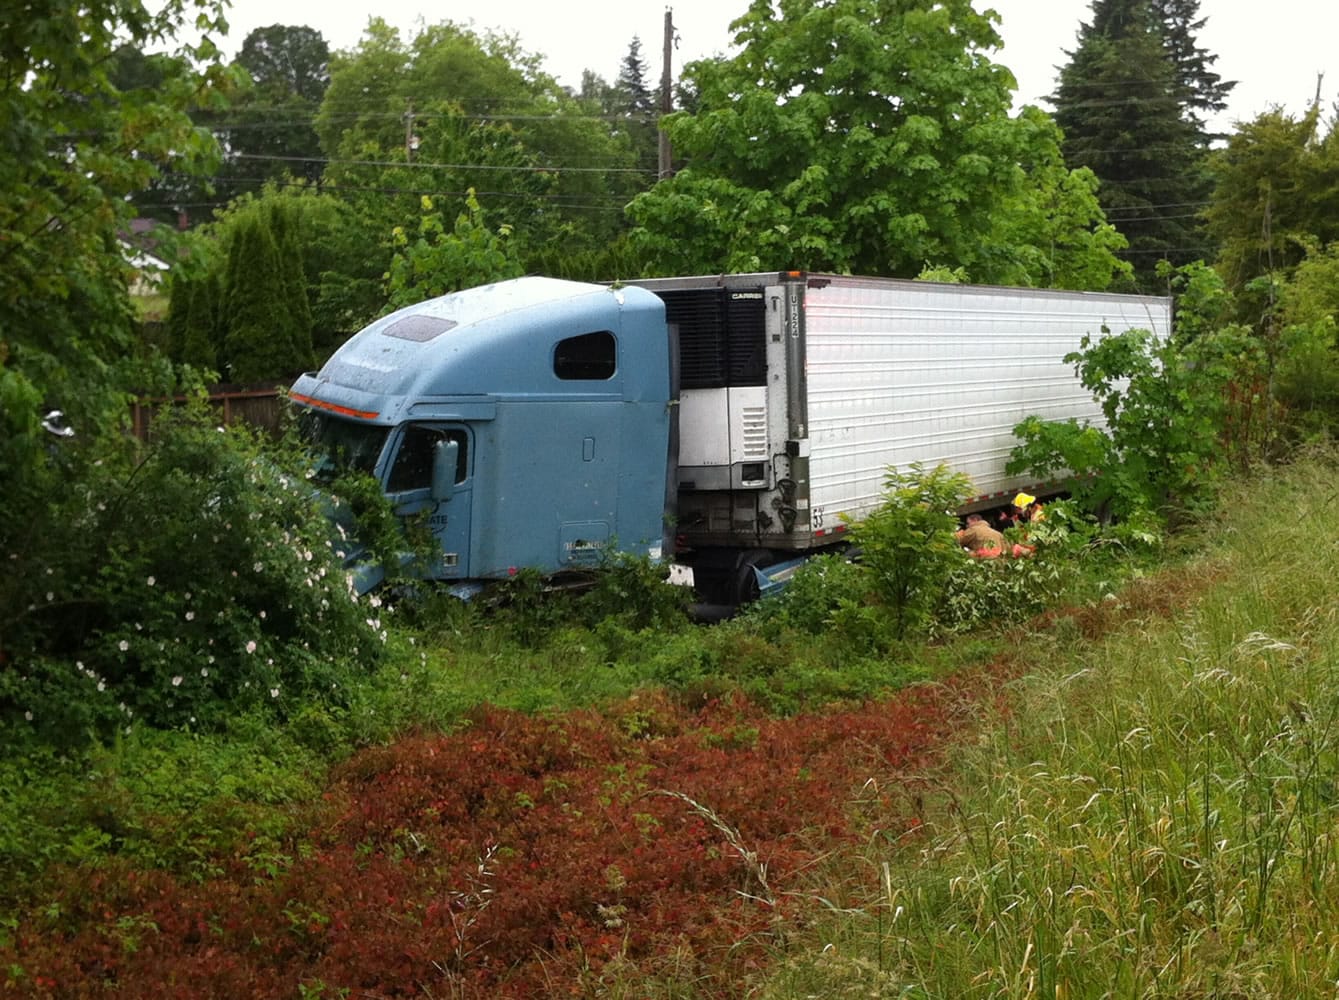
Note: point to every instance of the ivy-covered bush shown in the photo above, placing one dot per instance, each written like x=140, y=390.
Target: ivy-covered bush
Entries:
x=195, y=582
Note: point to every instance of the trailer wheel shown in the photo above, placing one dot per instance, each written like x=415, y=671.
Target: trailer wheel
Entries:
x=745, y=589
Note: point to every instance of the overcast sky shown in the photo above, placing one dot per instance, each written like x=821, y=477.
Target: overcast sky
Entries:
x=1274, y=50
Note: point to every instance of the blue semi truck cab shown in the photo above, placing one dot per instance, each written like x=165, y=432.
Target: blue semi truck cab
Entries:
x=531, y=422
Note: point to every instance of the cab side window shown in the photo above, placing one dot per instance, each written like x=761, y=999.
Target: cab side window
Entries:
x=589, y=357
x=412, y=469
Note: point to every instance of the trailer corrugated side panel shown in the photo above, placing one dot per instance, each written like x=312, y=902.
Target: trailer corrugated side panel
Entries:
x=903, y=372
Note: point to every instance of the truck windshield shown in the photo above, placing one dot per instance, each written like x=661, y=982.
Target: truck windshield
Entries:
x=338, y=446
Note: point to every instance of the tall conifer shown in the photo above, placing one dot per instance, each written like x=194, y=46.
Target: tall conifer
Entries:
x=201, y=335
x=284, y=226
x=1203, y=92
x=635, y=103
x=259, y=343
x=1129, y=102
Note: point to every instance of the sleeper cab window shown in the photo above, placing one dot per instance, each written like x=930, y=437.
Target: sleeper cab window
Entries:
x=587, y=358
x=412, y=469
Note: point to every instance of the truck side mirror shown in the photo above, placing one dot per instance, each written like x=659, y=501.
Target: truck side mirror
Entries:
x=445, y=457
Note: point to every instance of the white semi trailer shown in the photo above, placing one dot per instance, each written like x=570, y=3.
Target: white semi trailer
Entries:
x=730, y=422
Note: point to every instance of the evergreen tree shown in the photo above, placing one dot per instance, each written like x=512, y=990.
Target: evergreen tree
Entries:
x=260, y=342
x=284, y=223
x=193, y=320
x=634, y=104
x=1126, y=107
x=202, y=334
x=1203, y=92
x=636, y=96
x=178, y=309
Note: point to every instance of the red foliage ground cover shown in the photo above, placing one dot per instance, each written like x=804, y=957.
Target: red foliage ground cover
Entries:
x=522, y=856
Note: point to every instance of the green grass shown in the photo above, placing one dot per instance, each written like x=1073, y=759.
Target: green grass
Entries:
x=1156, y=814
x=179, y=799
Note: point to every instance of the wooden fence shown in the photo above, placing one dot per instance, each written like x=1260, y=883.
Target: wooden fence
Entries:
x=261, y=406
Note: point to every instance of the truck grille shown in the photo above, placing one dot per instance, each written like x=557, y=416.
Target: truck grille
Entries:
x=722, y=338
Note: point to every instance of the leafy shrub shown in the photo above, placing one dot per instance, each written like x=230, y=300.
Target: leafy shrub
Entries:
x=1178, y=410
x=907, y=544
x=200, y=581
x=816, y=593
x=442, y=260
x=626, y=594
x=1308, y=377
x=637, y=593
x=1162, y=447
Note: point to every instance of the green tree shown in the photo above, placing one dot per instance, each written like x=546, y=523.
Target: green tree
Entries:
x=262, y=340
x=851, y=135
x=1127, y=103
x=450, y=110
x=1052, y=231
x=1308, y=369
x=176, y=187
x=635, y=108
x=438, y=261
x=77, y=148
x=269, y=131
x=1276, y=195
x=1203, y=91
x=284, y=223
x=195, y=320
x=333, y=285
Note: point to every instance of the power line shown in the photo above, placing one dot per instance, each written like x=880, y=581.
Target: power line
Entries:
x=1152, y=218
x=419, y=165
x=1165, y=204
x=1168, y=250
x=612, y=203
x=399, y=116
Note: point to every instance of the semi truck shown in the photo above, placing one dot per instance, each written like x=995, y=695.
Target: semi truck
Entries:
x=730, y=423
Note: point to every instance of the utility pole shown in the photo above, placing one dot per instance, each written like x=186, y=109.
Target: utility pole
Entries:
x=409, y=133
x=666, y=99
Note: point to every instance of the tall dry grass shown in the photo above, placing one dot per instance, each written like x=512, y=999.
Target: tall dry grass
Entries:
x=1157, y=812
